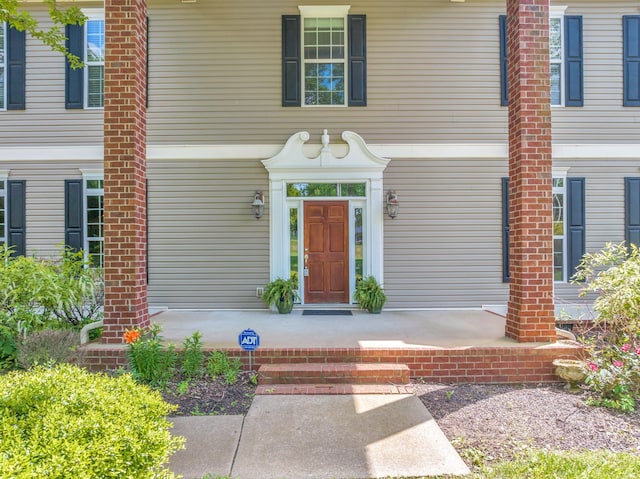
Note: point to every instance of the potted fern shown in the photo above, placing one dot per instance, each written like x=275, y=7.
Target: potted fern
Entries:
x=281, y=293
x=370, y=294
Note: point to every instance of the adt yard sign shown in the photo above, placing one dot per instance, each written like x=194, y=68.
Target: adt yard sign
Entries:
x=249, y=340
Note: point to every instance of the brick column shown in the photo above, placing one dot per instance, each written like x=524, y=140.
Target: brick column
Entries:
x=125, y=213
x=530, y=312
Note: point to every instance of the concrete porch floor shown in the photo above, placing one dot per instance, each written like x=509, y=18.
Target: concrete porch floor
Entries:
x=439, y=329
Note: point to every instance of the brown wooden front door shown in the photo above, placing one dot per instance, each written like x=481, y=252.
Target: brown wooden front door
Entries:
x=326, y=251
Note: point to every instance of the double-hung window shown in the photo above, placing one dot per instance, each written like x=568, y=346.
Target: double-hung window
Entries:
x=84, y=87
x=94, y=61
x=84, y=216
x=556, y=58
x=94, y=220
x=565, y=58
x=568, y=217
x=324, y=58
x=12, y=68
x=559, y=229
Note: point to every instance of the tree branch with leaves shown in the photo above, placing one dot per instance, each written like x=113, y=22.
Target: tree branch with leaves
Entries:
x=13, y=13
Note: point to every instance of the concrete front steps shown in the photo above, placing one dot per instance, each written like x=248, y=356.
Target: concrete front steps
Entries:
x=334, y=378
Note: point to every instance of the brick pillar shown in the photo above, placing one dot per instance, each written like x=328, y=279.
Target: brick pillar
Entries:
x=530, y=312
x=125, y=214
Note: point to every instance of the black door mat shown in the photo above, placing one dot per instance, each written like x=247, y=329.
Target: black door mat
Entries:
x=326, y=312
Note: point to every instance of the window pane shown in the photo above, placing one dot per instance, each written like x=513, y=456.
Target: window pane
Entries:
x=558, y=182
x=555, y=39
x=558, y=265
x=556, y=84
x=96, y=253
x=293, y=241
x=94, y=201
x=95, y=184
x=558, y=215
x=353, y=189
x=312, y=189
x=358, y=243
x=95, y=41
x=95, y=87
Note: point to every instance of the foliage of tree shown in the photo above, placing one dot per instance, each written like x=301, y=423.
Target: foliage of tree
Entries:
x=14, y=14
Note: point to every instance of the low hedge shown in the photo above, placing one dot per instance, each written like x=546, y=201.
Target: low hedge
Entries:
x=62, y=422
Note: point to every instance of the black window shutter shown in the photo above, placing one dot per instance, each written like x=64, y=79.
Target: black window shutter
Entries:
x=357, y=25
x=73, y=214
x=573, y=61
x=575, y=223
x=16, y=64
x=74, y=79
x=505, y=230
x=291, y=61
x=16, y=224
x=631, y=59
x=632, y=211
x=504, y=97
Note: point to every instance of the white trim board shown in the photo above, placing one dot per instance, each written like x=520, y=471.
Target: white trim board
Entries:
x=259, y=152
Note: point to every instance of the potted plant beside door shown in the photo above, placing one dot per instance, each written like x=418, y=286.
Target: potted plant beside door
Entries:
x=281, y=293
x=370, y=294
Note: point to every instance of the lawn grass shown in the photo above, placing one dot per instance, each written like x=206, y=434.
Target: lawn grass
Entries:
x=567, y=465
x=539, y=464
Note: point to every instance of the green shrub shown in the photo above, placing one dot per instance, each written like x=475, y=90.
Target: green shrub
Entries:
x=220, y=364
x=614, y=349
x=614, y=275
x=50, y=346
x=65, y=422
x=193, y=356
x=38, y=293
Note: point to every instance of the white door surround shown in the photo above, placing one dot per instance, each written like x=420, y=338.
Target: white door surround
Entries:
x=292, y=165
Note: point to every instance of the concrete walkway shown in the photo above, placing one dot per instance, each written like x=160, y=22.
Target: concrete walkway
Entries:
x=318, y=436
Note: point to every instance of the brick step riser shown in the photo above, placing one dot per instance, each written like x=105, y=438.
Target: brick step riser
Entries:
x=333, y=374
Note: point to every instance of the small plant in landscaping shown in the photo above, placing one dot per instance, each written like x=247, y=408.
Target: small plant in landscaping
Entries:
x=61, y=422
x=150, y=361
x=614, y=373
x=50, y=346
x=219, y=364
x=193, y=356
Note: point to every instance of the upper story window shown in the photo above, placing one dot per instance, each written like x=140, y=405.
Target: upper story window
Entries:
x=323, y=57
x=565, y=58
x=556, y=58
x=94, y=60
x=3, y=68
x=84, y=87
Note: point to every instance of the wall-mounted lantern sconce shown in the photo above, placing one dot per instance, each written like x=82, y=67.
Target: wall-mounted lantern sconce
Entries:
x=258, y=204
x=392, y=204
